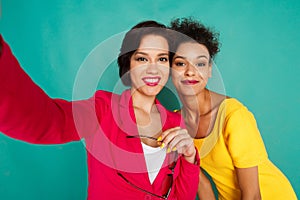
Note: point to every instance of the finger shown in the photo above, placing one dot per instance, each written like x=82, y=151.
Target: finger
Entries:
x=185, y=147
x=174, y=137
x=165, y=133
x=180, y=143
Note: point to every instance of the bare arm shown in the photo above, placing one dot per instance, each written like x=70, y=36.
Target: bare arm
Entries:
x=205, y=190
x=248, y=182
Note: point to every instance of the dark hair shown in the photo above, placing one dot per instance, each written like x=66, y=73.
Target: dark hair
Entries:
x=194, y=31
x=132, y=41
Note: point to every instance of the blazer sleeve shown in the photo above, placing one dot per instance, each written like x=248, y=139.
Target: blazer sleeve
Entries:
x=187, y=180
x=27, y=113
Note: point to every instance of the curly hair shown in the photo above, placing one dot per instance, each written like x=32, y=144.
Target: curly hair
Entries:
x=194, y=31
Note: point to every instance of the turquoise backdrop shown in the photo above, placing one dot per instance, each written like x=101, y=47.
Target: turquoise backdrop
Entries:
x=259, y=62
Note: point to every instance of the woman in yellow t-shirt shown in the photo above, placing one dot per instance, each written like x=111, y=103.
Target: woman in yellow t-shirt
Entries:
x=226, y=135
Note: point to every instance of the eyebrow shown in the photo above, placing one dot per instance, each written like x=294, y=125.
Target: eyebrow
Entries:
x=161, y=54
x=182, y=57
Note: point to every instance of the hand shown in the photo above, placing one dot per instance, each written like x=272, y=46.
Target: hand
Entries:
x=178, y=139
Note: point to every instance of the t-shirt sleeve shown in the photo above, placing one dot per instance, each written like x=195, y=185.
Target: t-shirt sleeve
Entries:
x=243, y=139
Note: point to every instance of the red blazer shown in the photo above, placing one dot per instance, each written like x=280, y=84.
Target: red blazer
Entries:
x=104, y=121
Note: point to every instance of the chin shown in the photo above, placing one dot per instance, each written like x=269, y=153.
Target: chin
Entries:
x=152, y=91
x=187, y=92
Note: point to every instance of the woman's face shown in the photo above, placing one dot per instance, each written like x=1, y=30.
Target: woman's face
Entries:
x=149, y=65
x=191, y=68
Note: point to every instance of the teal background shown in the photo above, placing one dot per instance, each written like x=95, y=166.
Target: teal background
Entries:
x=259, y=62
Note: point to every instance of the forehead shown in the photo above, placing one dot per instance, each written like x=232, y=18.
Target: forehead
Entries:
x=192, y=49
x=155, y=42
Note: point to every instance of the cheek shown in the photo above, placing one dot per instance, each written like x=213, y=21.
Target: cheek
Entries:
x=134, y=73
x=132, y=65
x=136, y=68
x=175, y=78
x=209, y=72
x=167, y=71
x=176, y=74
x=204, y=73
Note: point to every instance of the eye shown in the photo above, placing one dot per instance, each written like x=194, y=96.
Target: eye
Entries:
x=163, y=59
x=200, y=64
x=179, y=64
x=141, y=59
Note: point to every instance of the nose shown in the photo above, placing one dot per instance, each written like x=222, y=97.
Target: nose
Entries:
x=190, y=70
x=152, y=68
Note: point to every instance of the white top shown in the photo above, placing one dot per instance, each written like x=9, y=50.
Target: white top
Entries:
x=154, y=157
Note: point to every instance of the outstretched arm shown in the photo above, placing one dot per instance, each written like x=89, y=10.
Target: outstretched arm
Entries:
x=26, y=112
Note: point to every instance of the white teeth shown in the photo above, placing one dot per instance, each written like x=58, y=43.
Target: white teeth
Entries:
x=151, y=80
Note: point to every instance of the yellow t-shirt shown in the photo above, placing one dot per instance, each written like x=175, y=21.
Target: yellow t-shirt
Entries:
x=235, y=141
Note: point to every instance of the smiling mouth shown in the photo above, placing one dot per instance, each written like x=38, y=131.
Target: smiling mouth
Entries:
x=151, y=81
x=189, y=82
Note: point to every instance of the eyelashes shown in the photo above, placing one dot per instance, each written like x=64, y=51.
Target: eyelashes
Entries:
x=185, y=63
x=143, y=59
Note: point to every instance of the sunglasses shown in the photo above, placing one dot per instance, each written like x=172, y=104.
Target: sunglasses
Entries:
x=168, y=180
x=141, y=136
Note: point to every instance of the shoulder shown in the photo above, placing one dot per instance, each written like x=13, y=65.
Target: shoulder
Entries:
x=106, y=96
x=232, y=105
x=237, y=114
x=101, y=94
x=234, y=112
x=104, y=100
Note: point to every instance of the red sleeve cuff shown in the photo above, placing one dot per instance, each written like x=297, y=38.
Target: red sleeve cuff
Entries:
x=196, y=162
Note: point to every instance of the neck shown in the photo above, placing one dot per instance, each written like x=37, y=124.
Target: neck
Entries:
x=196, y=105
x=194, y=109
x=142, y=101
